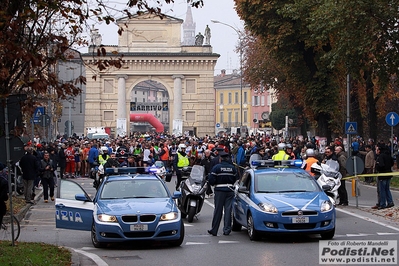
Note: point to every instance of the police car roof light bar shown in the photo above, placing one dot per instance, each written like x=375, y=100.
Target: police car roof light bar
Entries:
x=128, y=170
x=271, y=163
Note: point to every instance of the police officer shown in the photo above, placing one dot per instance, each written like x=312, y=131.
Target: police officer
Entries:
x=281, y=155
x=181, y=160
x=222, y=176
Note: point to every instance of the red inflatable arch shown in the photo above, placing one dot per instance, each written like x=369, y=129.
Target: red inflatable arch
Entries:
x=147, y=118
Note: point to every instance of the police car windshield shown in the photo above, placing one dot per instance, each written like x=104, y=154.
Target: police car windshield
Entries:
x=125, y=189
x=284, y=183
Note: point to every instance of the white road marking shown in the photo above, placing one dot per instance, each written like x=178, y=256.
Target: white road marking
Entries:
x=92, y=256
x=209, y=203
x=387, y=234
x=369, y=219
x=195, y=243
x=359, y=234
x=228, y=242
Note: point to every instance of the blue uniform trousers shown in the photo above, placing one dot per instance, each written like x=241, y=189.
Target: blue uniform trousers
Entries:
x=223, y=200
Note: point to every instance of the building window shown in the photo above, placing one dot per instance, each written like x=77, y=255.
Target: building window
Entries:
x=221, y=117
x=108, y=86
x=190, y=116
x=255, y=100
x=135, y=99
x=135, y=92
x=190, y=86
x=245, y=117
x=245, y=97
x=221, y=98
x=262, y=100
x=236, y=116
x=143, y=92
x=236, y=98
x=109, y=115
x=143, y=100
x=229, y=97
x=256, y=116
x=229, y=116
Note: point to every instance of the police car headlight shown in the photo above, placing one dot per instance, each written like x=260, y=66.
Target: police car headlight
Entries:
x=267, y=207
x=107, y=218
x=169, y=216
x=326, y=206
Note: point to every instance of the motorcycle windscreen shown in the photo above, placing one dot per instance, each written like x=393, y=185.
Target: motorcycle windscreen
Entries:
x=197, y=174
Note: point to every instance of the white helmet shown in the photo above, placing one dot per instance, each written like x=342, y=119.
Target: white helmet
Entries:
x=104, y=149
x=281, y=146
x=310, y=153
x=182, y=147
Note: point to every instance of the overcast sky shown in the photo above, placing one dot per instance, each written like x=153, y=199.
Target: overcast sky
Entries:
x=223, y=41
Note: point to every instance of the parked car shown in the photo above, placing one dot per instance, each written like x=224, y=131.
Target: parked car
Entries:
x=281, y=199
x=129, y=205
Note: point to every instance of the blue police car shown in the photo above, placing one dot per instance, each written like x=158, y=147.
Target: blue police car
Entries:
x=281, y=199
x=129, y=205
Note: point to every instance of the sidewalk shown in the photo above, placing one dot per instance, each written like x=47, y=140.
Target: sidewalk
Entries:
x=77, y=259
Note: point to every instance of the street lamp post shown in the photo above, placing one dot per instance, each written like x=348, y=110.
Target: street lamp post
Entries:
x=240, y=40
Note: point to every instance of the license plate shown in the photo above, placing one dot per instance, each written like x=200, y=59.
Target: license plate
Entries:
x=139, y=227
x=300, y=220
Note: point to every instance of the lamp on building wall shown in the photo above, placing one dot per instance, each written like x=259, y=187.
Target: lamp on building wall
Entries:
x=239, y=34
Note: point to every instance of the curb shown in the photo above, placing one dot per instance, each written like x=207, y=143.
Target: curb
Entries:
x=75, y=261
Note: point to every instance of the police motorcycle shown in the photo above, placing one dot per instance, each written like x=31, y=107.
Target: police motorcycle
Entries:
x=160, y=170
x=328, y=177
x=97, y=172
x=193, y=189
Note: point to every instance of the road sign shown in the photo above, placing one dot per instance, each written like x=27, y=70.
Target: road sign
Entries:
x=354, y=164
x=392, y=119
x=44, y=120
x=351, y=128
x=39, y=111
x=217, y=125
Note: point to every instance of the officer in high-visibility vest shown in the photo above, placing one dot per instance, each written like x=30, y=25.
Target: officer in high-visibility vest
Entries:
x=102, y=158
x=281, y=155
x=181, y=160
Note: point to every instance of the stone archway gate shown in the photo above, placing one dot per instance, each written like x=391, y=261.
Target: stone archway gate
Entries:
x=151, y=49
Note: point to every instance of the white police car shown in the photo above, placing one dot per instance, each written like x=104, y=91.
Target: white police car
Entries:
x=129, y=205
x=281, y=199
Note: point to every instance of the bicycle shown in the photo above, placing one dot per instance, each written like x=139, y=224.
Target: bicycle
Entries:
x=5, y=228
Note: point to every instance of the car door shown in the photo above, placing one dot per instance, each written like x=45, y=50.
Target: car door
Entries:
x=73, y=207
x=241, y=198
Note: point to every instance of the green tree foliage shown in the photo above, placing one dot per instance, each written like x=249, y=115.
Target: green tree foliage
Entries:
x=314, y=44
x=277, y=116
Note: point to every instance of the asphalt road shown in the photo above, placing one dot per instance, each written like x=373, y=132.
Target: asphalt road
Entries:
x=200, y=248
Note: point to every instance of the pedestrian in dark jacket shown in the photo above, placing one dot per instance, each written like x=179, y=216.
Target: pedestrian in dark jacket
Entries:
x=62, y=160
x=30, y=169
x=383, y=164
x=341, y=158
x=47, y=176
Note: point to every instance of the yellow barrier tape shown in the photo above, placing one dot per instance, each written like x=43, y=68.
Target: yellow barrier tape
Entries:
x=371, y=175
